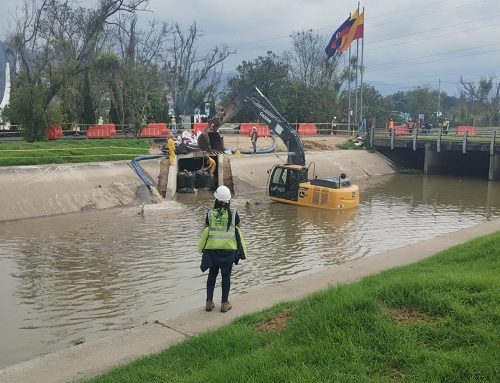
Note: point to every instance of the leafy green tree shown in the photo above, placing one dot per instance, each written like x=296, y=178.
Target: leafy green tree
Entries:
x=375, y=106
x=55, y=44
x=480, y=102
x=268, y=73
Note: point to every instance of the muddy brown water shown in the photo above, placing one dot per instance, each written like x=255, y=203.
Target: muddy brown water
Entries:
x=76, y=277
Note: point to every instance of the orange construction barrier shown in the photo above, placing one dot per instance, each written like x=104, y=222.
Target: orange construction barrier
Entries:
x=401, y=130
x=154, y=129
x=307, y=129
x=98, y=131
x=111, y=127
x=58, y=129
x=52, y=133
x=470, y=129
x=199, y=127
x=262, y=129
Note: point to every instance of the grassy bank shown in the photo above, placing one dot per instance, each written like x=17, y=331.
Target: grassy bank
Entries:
x=63, y=151
x=436, y=320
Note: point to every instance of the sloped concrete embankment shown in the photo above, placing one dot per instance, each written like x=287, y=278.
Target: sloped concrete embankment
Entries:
x=250, y=172
x=35, y=191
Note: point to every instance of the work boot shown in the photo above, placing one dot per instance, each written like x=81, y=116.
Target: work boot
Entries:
x=225, y=306
x=209, y=306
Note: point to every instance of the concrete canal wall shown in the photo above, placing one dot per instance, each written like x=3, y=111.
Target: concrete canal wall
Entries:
x=35, y=191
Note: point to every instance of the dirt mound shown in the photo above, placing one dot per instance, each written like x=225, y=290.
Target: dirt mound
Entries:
x=315, y=145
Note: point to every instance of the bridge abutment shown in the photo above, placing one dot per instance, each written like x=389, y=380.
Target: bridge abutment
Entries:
x=494, y=172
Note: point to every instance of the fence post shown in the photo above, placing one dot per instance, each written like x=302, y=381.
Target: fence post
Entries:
x=438, y=142
x=492, y=143
x=464, y=143
x=415, y=139
x=372, y=135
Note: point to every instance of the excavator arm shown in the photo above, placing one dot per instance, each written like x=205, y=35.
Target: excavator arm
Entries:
x=251, y=97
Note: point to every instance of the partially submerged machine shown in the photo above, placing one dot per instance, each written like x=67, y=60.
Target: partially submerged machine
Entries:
x=288, y=183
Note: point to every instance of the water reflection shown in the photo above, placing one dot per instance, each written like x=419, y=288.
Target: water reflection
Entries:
x=73, y=276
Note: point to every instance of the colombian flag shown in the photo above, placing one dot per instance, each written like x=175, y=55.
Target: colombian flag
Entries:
x=337, y=40
x=356, y=31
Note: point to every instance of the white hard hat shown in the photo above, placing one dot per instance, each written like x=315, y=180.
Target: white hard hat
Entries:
x=223, y=194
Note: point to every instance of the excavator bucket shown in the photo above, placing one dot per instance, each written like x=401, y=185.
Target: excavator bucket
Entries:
x=211, y=142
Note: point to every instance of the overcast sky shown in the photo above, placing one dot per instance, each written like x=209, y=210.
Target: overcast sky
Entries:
x=407, y=43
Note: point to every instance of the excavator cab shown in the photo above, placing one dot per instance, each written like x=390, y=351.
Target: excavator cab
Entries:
x=284, y=181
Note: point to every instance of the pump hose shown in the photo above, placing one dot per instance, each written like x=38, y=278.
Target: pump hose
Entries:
x=138, y=170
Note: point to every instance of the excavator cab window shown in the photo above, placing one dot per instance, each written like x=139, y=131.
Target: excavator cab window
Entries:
x=285, y=183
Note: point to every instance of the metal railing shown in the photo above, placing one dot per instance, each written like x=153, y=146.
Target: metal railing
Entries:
x=485, y=135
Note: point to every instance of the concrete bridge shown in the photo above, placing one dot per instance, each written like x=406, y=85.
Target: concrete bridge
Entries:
x=473, y=153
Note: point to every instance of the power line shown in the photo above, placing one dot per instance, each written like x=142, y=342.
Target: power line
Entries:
x=372, y=17
x=430, y=61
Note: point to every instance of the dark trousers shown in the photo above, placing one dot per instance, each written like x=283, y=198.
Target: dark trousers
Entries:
x=254, y=144
x=223, y=261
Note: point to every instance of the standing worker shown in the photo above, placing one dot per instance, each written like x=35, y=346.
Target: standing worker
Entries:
x=171, y=148
x=334, y=126
x=254, y=138
x=219, y=245
x=446, y=126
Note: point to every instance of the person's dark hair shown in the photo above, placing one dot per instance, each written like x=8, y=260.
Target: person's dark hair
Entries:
x=220, y=207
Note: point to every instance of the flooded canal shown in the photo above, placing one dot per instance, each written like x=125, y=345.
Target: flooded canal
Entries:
x=80, y=276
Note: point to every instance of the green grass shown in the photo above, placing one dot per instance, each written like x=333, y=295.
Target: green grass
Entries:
x=25, y=153
x=433, y=321
x=352, y=144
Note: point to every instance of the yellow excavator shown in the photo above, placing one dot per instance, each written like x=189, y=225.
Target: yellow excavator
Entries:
x=288, y=183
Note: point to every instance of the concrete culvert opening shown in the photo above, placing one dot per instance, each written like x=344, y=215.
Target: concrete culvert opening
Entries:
x=194, y=174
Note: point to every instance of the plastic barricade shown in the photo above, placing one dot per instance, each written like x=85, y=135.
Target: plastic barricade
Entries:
x=262, y=129
x=199, y=127
x=470, y=129
x=402, y=130
x=98, y=131
x=51, y=133
x=111, y=128
x=58, y=130
x=307, y=130
x=154, y=129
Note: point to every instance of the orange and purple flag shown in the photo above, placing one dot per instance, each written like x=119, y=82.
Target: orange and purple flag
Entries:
x=337, y=40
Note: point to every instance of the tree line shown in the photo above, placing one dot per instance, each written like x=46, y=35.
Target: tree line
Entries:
x=75, y=64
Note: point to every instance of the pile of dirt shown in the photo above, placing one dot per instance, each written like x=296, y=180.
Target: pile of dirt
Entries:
x=316, y=145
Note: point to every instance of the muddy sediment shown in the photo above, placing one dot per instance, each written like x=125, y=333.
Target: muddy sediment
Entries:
x=35, y=191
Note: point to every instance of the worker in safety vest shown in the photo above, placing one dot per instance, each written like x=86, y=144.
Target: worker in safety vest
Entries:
x=219, y=245
x=210, y=165
x=171, y=148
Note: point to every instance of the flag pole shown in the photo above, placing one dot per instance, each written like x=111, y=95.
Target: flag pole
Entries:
x=349, y=93
x=356, y=120
x=362, y=69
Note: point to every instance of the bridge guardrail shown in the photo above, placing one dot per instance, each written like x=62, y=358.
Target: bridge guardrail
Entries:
x=486, y=135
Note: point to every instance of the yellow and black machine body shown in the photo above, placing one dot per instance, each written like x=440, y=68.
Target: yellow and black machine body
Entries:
x=288, y=183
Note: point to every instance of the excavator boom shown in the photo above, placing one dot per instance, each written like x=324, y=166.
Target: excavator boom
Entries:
x=252, y=98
